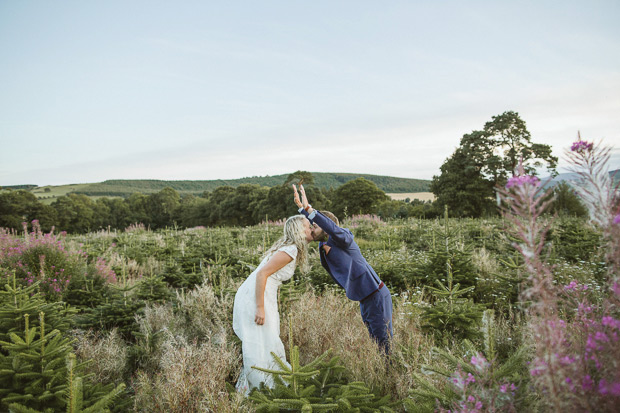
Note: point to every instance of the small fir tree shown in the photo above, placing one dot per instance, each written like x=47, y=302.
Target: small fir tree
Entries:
x=479, y=381
x=317, y=386
x=451, y=315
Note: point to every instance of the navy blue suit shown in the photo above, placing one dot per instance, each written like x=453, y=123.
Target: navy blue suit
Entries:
x=351, y=271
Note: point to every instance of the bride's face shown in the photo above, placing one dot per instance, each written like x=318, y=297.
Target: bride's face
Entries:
x=308, y=231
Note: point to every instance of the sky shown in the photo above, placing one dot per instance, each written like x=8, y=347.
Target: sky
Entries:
x=202, y=90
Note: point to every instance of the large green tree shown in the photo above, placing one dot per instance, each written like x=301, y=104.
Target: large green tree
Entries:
x=76, y=213
x=486, y=159
x=22, y=206
x=278, y=203
x=162, y=207
x=359, y=196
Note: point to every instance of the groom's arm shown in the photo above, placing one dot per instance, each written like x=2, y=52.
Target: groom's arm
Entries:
x=340, y=236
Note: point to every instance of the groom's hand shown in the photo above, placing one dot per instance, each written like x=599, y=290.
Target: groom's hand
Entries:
x=304, y=198
x=296, y=197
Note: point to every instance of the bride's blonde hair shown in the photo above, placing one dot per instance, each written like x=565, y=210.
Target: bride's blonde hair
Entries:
x=294, y=234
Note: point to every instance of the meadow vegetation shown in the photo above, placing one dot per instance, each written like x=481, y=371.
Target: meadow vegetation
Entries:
x=518, y=312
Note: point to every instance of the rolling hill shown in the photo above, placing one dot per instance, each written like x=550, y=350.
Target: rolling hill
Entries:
x=125, y=187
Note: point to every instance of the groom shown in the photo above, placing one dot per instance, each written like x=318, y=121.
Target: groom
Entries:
x=343, y=260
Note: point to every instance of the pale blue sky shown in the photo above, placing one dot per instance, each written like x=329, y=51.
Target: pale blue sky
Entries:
x=95, y=90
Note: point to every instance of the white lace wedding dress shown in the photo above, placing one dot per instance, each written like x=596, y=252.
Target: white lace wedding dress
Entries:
x=258, y=341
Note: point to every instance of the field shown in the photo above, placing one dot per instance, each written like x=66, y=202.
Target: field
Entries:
x=48, y=194
x=154, y=315
x=422, y=196
x=515, y=313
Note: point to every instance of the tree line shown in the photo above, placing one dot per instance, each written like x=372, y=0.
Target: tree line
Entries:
x=246, y=204
x=484, y=160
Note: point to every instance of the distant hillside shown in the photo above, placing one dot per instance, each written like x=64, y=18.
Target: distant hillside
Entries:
x=572, y=176
x=125, y=187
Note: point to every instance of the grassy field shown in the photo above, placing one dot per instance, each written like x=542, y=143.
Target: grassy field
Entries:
x=159, y=318
x=48, y=194
x=422, y=196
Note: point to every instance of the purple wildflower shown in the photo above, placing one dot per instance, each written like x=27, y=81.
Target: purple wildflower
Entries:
x=600, y=336
x=571, y=286
x=522, y=180
x=581, y=146
x=610, y=322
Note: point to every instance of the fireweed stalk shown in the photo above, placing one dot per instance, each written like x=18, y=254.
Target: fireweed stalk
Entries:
x=576, y=338
x=599, y=194
x=524, y=203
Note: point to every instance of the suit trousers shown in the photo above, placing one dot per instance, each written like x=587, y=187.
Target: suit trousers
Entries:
x=377, y=316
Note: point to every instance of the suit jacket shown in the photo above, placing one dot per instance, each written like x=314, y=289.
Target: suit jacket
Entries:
x=345, y=262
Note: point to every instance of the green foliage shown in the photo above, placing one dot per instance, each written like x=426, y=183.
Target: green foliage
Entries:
x=87, y=290
x=479, y=381
x=463, y=188
x=324, y=180
x=18, y=302
x=566, y=202
x=119, y=312
x=451, y=316
x=317, y=386
x=19, y=206
x=175, y=276
x=486, y=159
x=447, y=256
x=575, y=240
x=100, y=397
x=37, y=368
x=359, y=196
x=153, y=289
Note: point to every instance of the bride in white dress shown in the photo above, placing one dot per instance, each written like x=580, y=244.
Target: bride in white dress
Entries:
x=256, y=320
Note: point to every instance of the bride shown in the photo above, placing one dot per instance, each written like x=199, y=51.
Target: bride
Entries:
x=256, y=320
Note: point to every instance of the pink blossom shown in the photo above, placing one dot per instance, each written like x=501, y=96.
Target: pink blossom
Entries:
x=571, y=286
x=567, y=360
x=602, y=337
x=610, y=322
x=581, y=146
x=522, y=180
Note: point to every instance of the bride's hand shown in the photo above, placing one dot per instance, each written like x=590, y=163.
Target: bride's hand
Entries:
x=259, y=318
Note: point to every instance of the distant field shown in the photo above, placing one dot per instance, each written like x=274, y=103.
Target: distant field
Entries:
x=422, y=196
x=56, y=191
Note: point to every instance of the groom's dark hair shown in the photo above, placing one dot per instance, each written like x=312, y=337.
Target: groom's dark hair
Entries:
x=331, y=216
